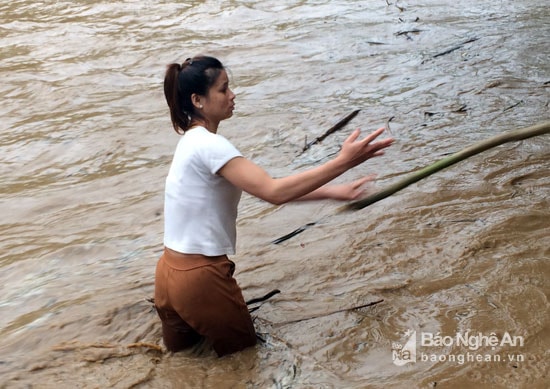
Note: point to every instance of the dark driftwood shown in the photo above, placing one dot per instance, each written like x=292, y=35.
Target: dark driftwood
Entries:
x=263, y=298
x=454, y=48
x=293, y=233
x=407, y=32
x=332, y=129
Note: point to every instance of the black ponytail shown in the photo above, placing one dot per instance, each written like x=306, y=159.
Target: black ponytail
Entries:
x=195, y=76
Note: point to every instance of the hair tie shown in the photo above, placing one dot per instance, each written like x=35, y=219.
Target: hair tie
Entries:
x=187, y=62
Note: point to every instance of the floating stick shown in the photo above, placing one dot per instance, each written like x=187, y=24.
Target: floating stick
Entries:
x=318, y=315
x=263, y=298
x=331, y=130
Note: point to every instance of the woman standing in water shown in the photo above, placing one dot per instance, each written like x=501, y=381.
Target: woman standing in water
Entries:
x=196, y=295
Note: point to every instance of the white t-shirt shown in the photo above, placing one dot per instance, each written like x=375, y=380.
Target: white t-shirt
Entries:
x=200, y=206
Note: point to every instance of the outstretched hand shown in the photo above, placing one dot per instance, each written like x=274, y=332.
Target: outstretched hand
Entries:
x=355, y=152
x=350, y=191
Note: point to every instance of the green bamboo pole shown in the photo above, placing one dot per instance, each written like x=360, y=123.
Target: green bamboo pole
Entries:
x=510, y=136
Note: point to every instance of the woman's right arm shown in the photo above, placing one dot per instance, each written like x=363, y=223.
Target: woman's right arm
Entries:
x=251, y=178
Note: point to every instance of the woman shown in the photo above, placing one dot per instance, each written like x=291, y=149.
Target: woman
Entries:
x=196, y=295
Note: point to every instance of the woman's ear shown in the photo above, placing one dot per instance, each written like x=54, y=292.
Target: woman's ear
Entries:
x=196, y=100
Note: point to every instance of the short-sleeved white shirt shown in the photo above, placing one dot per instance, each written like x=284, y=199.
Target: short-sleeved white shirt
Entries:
x=200, y=206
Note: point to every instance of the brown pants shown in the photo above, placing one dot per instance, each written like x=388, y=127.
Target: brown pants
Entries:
x=197, y=296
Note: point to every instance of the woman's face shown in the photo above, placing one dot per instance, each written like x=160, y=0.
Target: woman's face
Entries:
x=220, y=100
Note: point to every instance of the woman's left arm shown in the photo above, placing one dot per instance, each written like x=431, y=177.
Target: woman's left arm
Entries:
x=342, y=192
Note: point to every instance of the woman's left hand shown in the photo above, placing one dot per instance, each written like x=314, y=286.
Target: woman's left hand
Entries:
x=350, y=191
x=341, y=192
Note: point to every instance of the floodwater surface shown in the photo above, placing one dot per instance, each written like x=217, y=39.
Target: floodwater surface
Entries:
x=456, y=264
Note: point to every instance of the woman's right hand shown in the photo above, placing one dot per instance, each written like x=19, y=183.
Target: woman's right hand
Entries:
x=355, y=152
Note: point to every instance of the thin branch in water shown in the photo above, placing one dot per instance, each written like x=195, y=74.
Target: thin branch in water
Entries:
x=406, y=32
x=327, y=313
x=454, y=48
x=293, y=233
x=387, y=125
x=331, y=130
x=462, y=109
x=512, y=106
x=263, y=298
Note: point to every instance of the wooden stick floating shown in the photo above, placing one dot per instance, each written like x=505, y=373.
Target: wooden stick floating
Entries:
x=316, y=316
x=263, y=298
x=331, y=130
x=455, y=47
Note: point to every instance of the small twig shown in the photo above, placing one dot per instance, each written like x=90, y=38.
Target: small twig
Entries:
x=454, y=48
x=327, y=313
x=387, y=125
x=462, y=109
x=293, y=233
x=263, y=298
x=406, y=32
x=512, y=106
x=331, y=130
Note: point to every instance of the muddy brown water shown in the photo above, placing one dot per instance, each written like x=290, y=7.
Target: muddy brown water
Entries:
x=86, y=144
